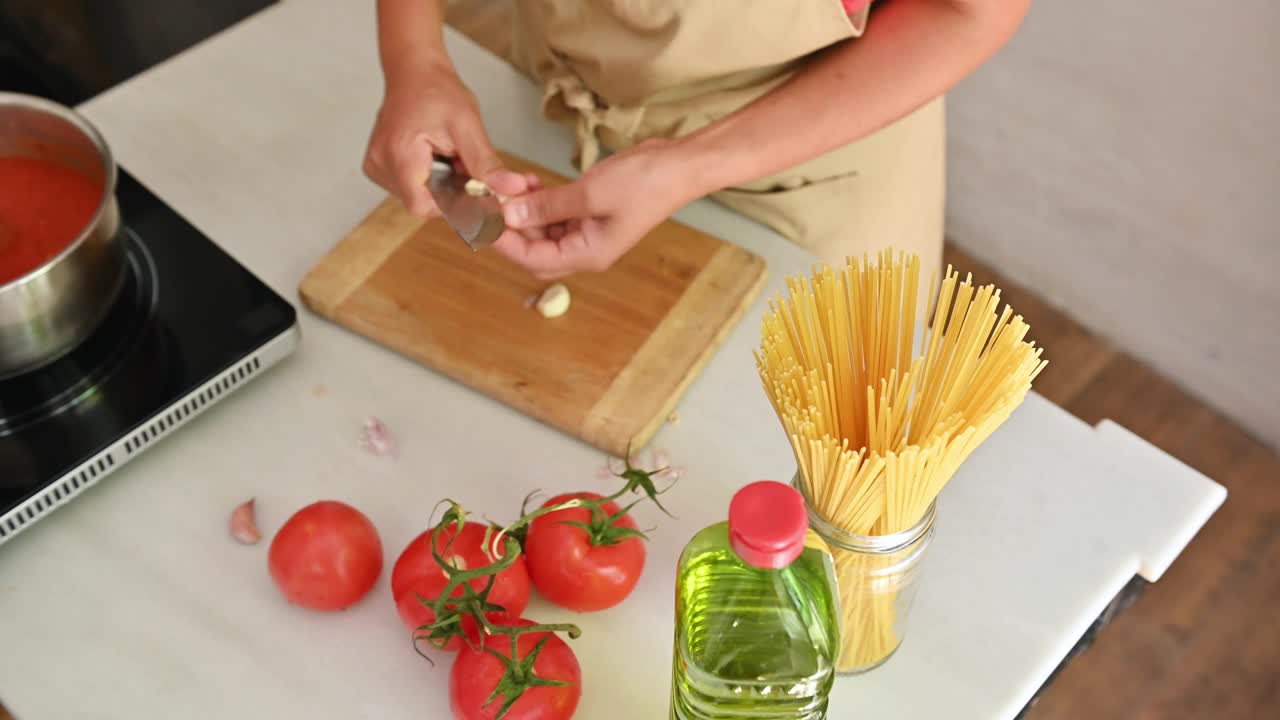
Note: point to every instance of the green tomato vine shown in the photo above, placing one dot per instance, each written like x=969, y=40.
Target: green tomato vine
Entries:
x=503, y=545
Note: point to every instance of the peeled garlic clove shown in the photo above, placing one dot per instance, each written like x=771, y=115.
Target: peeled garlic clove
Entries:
x=554, y=301
x=478, y=188
x=243, y=526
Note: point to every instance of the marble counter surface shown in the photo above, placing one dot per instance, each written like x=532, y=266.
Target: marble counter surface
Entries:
x=133, y=602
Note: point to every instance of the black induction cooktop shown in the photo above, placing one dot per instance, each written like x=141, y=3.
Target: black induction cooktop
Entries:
x=190, y=325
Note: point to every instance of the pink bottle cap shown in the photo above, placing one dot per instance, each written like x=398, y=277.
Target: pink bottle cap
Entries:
x=767, y=524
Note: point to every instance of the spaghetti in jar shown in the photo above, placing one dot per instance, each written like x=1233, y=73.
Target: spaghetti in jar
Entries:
x=880, y=422
x=877, y=577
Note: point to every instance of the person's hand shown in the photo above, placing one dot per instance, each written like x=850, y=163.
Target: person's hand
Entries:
x=428, y=111
x=588, y=224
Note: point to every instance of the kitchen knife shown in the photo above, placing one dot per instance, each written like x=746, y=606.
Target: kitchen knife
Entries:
x=477, y=219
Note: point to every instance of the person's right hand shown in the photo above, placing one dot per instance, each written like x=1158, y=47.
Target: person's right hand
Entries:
x=425, y=112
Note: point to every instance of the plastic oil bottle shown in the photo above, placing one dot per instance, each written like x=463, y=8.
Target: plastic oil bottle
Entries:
x=757, y=629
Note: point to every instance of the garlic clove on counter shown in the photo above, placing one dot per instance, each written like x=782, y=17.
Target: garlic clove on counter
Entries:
x=243, y=527
x=376, y=438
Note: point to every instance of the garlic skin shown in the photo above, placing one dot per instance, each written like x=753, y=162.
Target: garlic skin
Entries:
x=376, y=438
x=554, y=301
x=243, y=526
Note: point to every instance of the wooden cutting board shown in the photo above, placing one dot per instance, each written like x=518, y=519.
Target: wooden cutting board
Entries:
x=609, y=371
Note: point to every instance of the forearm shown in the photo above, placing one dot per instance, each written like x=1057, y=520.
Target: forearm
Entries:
x=914, y=51
x=410, y=36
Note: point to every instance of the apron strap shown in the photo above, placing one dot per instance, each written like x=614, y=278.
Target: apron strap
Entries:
x=565, y=95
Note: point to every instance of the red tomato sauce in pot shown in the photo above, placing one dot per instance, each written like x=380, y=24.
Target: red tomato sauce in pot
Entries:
x=43, y=207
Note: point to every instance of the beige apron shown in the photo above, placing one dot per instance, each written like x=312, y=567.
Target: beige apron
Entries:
x=622, y=71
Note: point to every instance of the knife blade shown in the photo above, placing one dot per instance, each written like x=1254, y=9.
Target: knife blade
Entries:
x=477, y=219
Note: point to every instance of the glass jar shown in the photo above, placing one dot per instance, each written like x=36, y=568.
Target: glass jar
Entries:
x=878, y=576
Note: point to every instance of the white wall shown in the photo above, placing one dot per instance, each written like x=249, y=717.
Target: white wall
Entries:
x=1123, y=158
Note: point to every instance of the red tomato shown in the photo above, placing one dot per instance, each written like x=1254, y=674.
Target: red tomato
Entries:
x=417, y=573
x=573, y=573
x=326, y=557
x=476, y=673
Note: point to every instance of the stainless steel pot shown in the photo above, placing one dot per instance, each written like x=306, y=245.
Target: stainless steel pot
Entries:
x=48, y=311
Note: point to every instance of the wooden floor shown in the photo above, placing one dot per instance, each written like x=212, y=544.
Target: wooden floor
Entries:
x=1204, y=642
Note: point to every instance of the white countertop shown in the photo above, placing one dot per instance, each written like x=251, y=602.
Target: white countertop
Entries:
x=133, y=602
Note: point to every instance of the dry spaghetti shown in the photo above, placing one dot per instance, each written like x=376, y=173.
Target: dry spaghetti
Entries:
x=878, y=430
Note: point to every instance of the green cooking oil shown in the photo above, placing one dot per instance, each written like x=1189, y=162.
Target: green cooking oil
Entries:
x=757, y=629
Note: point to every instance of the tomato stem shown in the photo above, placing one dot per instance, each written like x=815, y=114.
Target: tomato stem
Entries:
x=518, y=675
x=502, y=545
x=641, y=481
x=603, y=528
x=527, y=518
x=448, y=610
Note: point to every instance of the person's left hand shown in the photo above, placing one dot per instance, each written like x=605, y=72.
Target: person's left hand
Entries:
x=588, y=224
